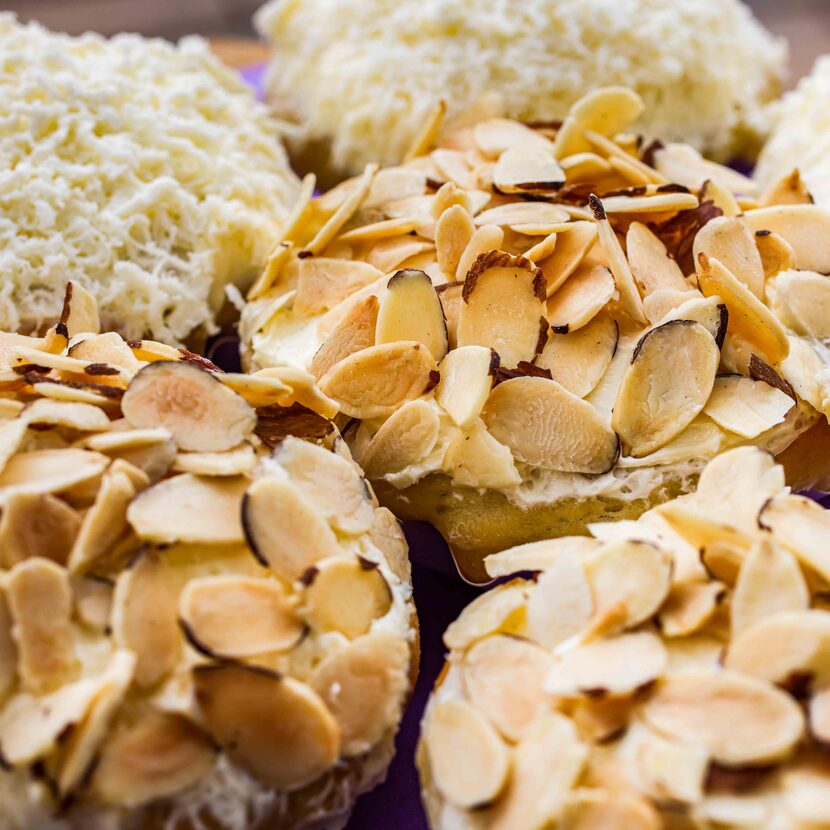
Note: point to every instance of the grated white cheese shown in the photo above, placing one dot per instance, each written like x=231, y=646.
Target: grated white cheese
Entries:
x=365, y=73
x=801, y=134
x=144, y=170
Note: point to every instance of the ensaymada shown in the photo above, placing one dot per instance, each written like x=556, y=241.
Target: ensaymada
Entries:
x=143, y=170
x=536, y=328
x=665, y=672
x=205, y=618
x=359, y=76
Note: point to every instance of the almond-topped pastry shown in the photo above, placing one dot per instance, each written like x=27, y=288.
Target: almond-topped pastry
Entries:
x=669, y=672
x=205, y=618
x=532, y=329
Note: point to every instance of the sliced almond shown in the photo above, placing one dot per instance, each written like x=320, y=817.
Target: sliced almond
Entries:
x=721, y=197
x=503, y=304
x=790, y=189
x=157, y=757
x=666, y=385
x=502, y=677
x=144, y=616
x=578, y=360
x=746, y=407
x=383, y=229
x=803, y=298
x=453, y=232
x=81, y=417
x=410, y=310
x=650, y=262
x=806, y=791
x=466, y=380
x=537, y=556
x=36, y=525
x=80, y=311
x=802, y=526
x=607, y=111
x=406, y=438
x=497, y=135
x=200, y=413
x=49, y=471
x=730, y=241
x=8, y=649
x=188, y=508
x=546, y=765
x=769, y=582
x=684, y=165
x=572, y=244
x=629, y=581
x=501, y=609
x=512, y=214
x=669, y=770
x=689, y=606
x=561, y=605
x=387, y=254
x=323, y=282
x=284, y=530
x=274, y=727
x=376, y=381
x=545, y=425
x=652, y=203
x=580, y=299
x=662, y=301
x=528, y=166
x=587, y=809
x=721, y=712
x=238, y=461
x=805, y=227
x=39, y=598
x=819, y=711
x=710, y=312
x=776, y=253
x=364, y=686
x=354, y=332
x=474, y=458
x=345, y=594
x=109, y=348
x=468, y=762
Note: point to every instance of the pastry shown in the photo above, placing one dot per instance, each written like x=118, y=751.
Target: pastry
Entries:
x=665, y=673
x=205, y=618
x=532, y=329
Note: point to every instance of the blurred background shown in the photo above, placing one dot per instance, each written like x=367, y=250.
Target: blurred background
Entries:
x=806, y=23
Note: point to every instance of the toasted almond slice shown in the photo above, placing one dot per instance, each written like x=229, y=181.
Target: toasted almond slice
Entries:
x=732, y=243
x=375, y=381
x=546, y=426
x=629, y=580
x=475, y=459
x=746, y=407
x=49, y=471
x=501, y=609
x=604, y=394
x=468, y=761
x=703, y=529
x=466, y=380
x=580, y=299
x=662, y=301
x=450, y=195
x=536, y=556
x=511, y=214
x=322, y=282
x=188, y=508
x=330, y=483
x=769, y=582
x=776, y=253
x=453, y=232
x=806, y=791
x=502, y=677
x=618, y=264
x=586, y=809
x=104, y=522
x=406, y=438
x=344, y=594
x=497, y=135
x=689, y=606
x=387, y=536
x=354, y=332
x=805, y=227
x=527, y=167
x=656, y=203
x=274, y=727
x=485, y=239
x=410, y=310
x=658, y=399
x=8, y=649
x=577, y=361
x=387, y=254
x=802, y=526
x=428, y=134
x=710, y=312
x=800, y=368
x=542, y=250
x=394, y=183
x=684, y=165
x=80, y=311
x=157, y=757
x=561, y=604
x=721, y=197
x=40, y=603
x=803, y=300
x=36, y=525
x=450, y=295
x=82, y=417
x=25, y=356
x=669, y=770
x=238, y=461
x=721, y=712
x=819, y=711
x=650, y=262
x=790, y=189
x=581, y=166
x=284, y=530
x=232, y=616
x=380, y=230
x=109, y=348
x=546, y=765
x=607, y=111
x=364, y=685
x=144, y=616
x=76, y=392
x=572, y=244
x=200, y=412
x=503, y=304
